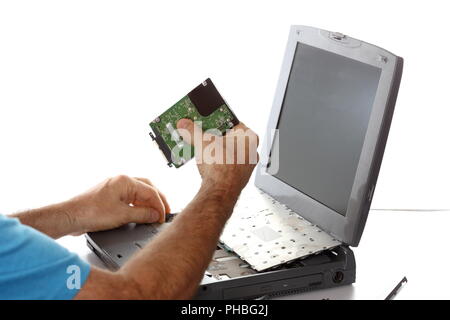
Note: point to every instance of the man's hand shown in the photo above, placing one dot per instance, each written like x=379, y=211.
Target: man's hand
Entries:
x=112, y=203
x=224, y=162
x=118, y=201
x=173, y=263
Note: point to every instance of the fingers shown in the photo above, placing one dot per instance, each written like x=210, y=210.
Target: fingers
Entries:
x=241, y=128
x=146, y=196
x=240, y=125
x=240, y=137
x=139, y=198
x=161, y=195
x=186, y=130
x=192, y=133
x=142, y=214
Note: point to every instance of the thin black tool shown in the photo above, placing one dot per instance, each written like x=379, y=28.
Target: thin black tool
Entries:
x=170, y=216
x=396, y=289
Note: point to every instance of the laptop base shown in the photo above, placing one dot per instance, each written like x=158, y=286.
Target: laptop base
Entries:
x=224, y=280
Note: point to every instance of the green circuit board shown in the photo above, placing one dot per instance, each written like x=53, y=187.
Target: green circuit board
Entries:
x=176, y=151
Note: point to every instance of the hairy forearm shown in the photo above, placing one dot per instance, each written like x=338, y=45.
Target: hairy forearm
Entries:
x=54, y=220
x=172, y=265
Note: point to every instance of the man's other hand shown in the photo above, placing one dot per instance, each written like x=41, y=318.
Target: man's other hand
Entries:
x=115, y=202
x=224, y=162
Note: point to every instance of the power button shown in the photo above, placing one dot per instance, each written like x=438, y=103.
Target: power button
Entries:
x=337, y=36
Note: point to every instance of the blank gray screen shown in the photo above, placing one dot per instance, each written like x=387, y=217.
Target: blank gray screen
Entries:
x=322, y=125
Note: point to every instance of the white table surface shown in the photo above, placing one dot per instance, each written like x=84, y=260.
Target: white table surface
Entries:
x=394, y=244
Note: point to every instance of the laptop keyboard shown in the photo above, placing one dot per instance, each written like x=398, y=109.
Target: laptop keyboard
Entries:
x=266, y=233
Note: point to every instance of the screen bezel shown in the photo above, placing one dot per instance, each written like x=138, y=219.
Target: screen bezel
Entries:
x=348, y=228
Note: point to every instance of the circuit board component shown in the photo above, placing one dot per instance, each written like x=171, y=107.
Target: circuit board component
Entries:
x=203, y=104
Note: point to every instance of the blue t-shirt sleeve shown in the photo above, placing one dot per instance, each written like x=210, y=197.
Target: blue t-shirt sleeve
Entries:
x=34, y=266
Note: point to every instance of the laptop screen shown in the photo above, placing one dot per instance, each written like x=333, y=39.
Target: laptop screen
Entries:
x=323, y=123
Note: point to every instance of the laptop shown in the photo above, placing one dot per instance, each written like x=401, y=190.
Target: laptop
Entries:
x=292, y=231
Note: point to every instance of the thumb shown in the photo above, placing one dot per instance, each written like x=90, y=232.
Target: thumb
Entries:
x=142, y=215
x=186, y=130
x=193, y=134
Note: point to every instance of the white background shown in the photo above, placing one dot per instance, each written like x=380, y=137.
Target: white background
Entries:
x=80, y=81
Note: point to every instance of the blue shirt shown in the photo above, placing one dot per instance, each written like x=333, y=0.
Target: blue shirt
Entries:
x=34, y=266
